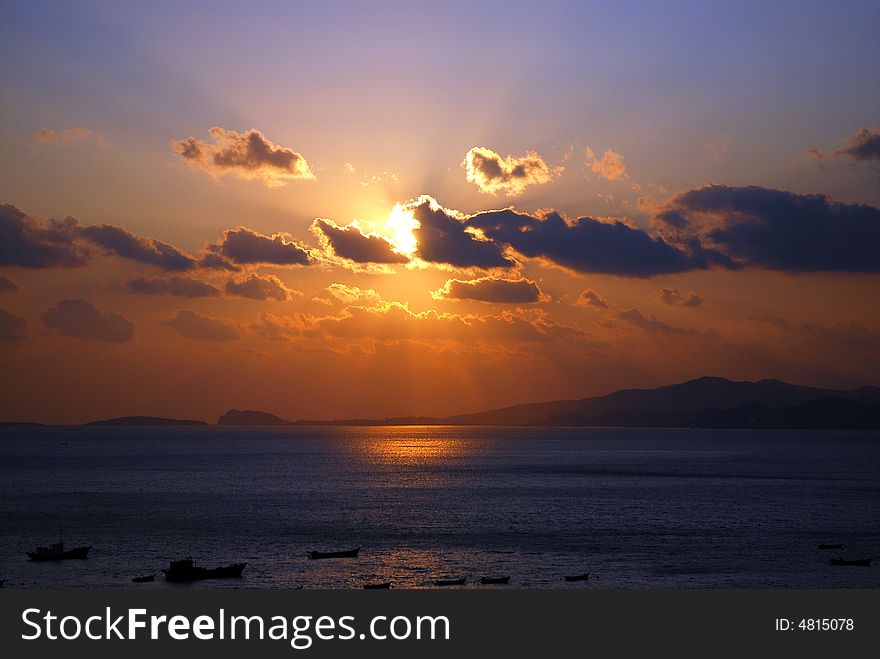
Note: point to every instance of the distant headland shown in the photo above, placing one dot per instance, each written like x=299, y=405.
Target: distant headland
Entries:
x=706, y=402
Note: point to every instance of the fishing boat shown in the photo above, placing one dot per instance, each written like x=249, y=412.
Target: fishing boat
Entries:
x=144, y=579
x=577, y=577
x=829, y=545
x=486, y=581
x=377, y=586
x=186, y=570
x=451, y=582
x=56, y=552
x=348, y=553
x=861, y=562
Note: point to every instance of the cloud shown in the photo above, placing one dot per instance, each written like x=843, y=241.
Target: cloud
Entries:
x=259, y=287
x=652, y=325
x=120, y=242
x=591, y=299
x=32, y=242
x=350, y=242
x=244, y=246
x=7, y=285
x=493, y=174
x=12, y=328
x=490, y=289
x=610, y=166
x=774, y=229
x=586, y=245
x=202, y=328
x=247, y=155
x=850, y=335
x=349, y=294
x=177, y=286
x=394, y=320
x=863, y=145
x=81, y=319
x=675, y=298
x=68, y=137
x=444, y=236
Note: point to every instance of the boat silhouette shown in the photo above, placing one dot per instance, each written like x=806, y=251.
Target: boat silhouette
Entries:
x=186, y=570
x=377, y=586
x=494, y=580
x=577, y=577
x=144, y=579
x=56, y=552
x=348, y=553
x=861, y=562
x=451, y=582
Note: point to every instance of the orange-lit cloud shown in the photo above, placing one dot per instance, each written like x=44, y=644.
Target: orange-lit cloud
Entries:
x=610, y=166
x=259, y=287
x=675, y=298
x=245, y=246
x=176, y=286
x=12, y=328
x=81, y=319
x=491, y=289
x=350, y=294
x=592, y=300
x=493, y=173
x=351, y=243
x=68, y=137
x=247, y=155
x=202, y=328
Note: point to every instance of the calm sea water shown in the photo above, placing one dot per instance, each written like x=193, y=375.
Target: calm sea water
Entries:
x=638, y=508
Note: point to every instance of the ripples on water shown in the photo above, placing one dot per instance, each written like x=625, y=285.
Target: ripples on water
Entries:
x=638, y=508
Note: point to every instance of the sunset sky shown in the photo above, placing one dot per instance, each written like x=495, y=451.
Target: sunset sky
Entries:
x=331, y=210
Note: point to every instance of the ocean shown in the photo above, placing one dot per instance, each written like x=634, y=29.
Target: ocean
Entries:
x=637, y=508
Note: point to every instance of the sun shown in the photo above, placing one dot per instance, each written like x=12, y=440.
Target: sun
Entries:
x=399, y=230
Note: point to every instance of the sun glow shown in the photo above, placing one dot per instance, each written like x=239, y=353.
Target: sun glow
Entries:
x=399, y=229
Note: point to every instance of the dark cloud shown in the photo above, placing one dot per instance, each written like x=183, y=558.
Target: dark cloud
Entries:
x=257, y=287
x=675, y=298
x=490, y=289
x=652, y=325
x=442, y=238
x=244, y=246
x=248, y=155
x=774, y=229
x=7, y=285
x=81, y=319
x=36, y=243
x=119, y=242
x=349, y=242
x=493, y=173
x=202, y=328
x=177, y=286
x=863, y=145
x=12, y=328
x=587, y=245
x=215, y=261
x=592, y=299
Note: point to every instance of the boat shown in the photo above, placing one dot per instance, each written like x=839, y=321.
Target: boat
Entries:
x=486, y=581
x=829, y=545
x=451, y=582
x=862, y=562
x=2, y=581
x=186, y=570
x=348, y=553
x=377, y=586
x=57, y=552
x=577, y=577
x=144, y=579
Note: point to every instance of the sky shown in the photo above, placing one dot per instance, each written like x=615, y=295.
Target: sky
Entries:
x=353, y=209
